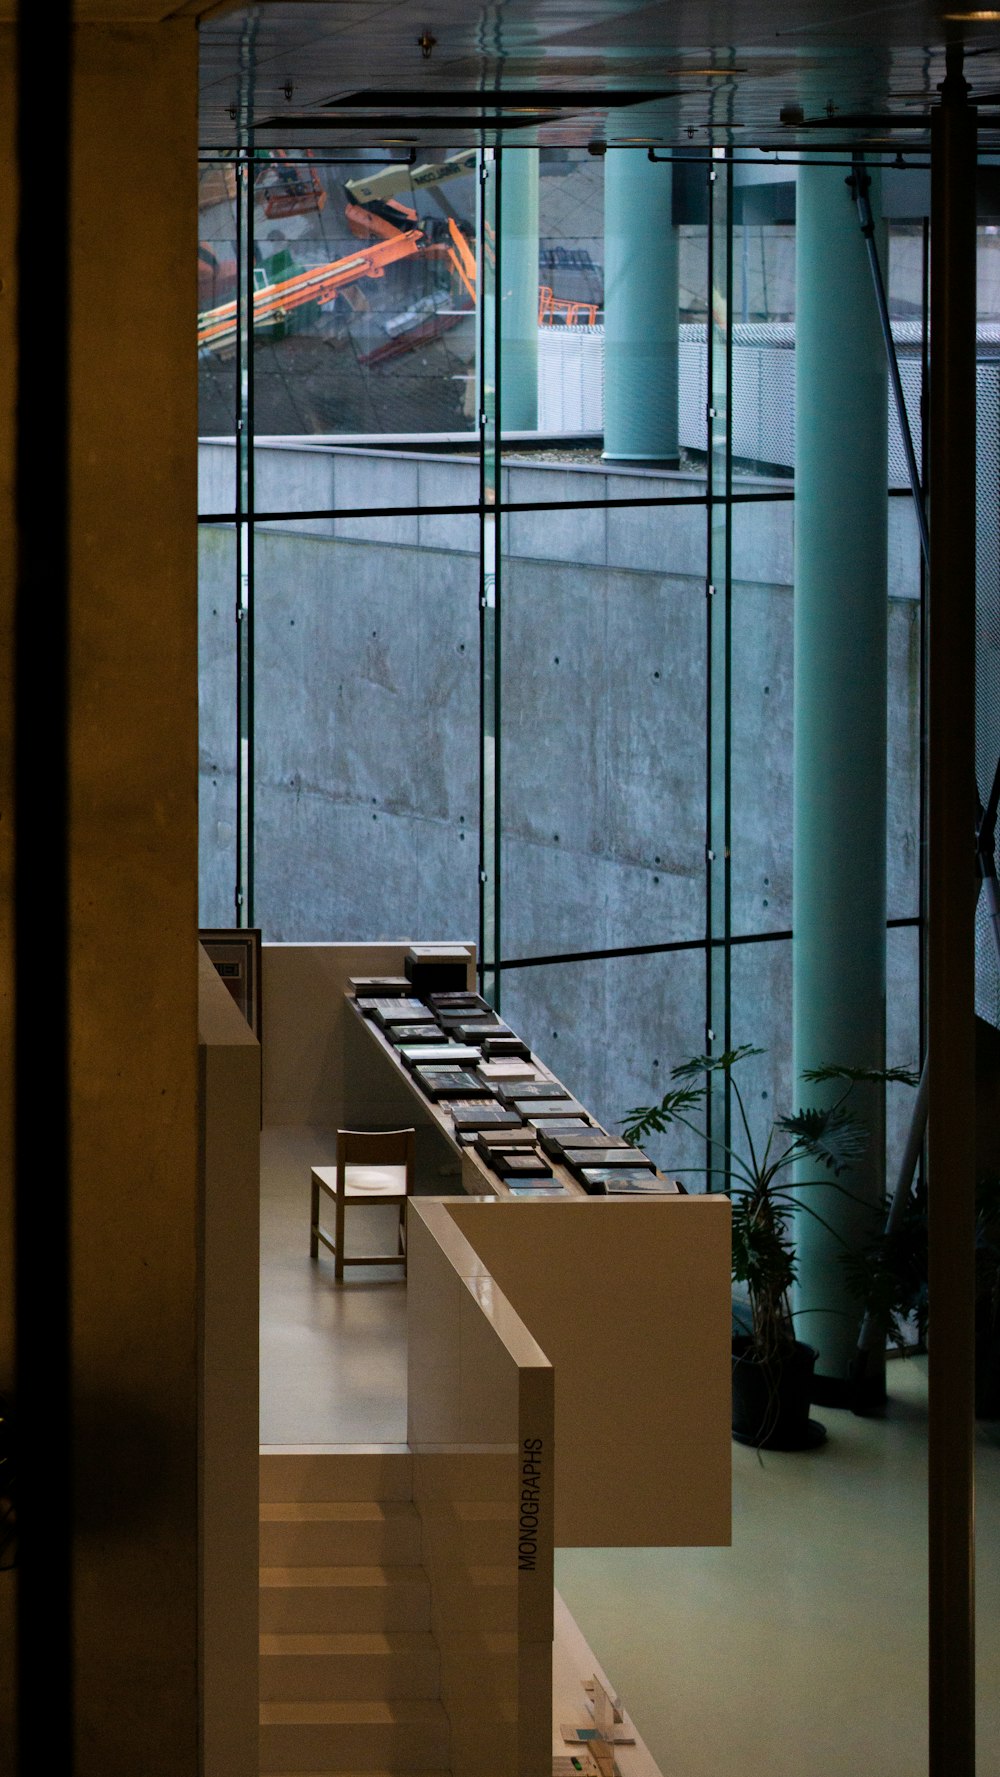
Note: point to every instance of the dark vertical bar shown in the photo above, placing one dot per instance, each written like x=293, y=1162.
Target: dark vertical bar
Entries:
x=951, y=906
x=925, y=483
x=249, y=421
x=42, y=1254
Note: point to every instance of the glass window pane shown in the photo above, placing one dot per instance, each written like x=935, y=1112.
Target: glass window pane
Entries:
x=365, y=300
x=217, y=665
x=217, y=282
x=603, y=730
x=761, y=719
x=365, y=731
x=612, y=1030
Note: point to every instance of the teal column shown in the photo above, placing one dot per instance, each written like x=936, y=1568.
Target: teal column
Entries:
x=519, y=290
x=839, y=857
x=640, y=308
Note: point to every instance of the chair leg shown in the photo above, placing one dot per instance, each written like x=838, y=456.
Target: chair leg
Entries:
x=338, y=1257
x=314, y=1220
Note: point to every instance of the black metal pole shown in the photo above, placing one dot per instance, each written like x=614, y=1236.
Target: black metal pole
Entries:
x=43, y=1405
x=950, y=941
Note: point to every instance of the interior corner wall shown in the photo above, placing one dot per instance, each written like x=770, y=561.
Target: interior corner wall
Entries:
x=133, y=873
x=8, y=367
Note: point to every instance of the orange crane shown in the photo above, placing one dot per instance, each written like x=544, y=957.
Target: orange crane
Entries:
x=274, y=302
x=290, y=188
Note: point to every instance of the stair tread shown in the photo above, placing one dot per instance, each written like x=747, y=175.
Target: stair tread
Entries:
x=350, y=1641
x=413, y=1710
x=373, y=1576
x=336, y=1511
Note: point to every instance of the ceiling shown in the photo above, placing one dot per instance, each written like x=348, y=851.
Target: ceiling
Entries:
x=336, y=73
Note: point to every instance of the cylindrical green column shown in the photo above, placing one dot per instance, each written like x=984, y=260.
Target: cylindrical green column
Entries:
x=519, y=290
x=640, y=308
x=839, y=858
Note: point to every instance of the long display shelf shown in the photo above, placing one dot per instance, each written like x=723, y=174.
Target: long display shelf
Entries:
x=478, y=1177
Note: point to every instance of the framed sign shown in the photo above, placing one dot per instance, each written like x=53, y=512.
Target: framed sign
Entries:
x=236, y=955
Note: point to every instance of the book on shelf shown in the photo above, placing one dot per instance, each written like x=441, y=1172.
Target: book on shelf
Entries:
x=489, y=1115
x=497, y=1046
x=516, y=1165
x=619, y=1185
x=562, y=1125
x=539, y=1108
x=473, y=1030
x=378, y=986
x=467, y=1002
x=446, y=1082
x=599, y=1180
x=413, y=1033
x=504, y=1141
x=446, y=1054
x=400, y=1011
x=630, y=1158
x=507, y=1070
x=563, y=1134
x=534, y=1089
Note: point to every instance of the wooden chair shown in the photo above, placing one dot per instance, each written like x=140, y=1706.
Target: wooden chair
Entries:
x=373, y=1166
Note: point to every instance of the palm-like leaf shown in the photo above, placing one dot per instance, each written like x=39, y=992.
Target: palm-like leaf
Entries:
x=653, y=1119
x=855, y=1076
x=832, y=1136
x=711, y=1064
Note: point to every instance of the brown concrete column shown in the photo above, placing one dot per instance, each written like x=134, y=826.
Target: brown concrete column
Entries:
x=133, y=863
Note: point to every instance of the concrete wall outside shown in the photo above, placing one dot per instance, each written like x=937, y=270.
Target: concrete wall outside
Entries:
x=367, y=750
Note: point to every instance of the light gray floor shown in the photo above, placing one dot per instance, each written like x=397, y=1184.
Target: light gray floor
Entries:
x=798, y=1652
x=332, y=1356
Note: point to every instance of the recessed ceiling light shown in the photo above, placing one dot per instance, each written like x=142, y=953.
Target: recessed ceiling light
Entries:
x=973, y=18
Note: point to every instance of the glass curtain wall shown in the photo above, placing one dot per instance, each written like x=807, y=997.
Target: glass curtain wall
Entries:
x=497, y=610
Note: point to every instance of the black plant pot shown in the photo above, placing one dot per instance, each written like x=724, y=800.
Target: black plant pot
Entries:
x=771, y=1399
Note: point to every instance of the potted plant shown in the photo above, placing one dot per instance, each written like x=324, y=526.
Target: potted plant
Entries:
x=772, y=1369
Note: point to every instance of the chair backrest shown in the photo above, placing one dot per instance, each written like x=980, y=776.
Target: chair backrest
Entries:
x=377, y=1147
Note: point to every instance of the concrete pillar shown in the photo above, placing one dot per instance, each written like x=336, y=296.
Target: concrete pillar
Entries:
x=519, y=290
x=839, y=904
x=133, y=763
x=640, y=309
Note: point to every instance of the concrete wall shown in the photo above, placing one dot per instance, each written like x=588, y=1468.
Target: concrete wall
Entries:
x=367, y=710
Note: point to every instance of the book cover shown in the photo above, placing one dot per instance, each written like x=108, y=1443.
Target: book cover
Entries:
x=486, y=1116
x=413, y=1033
x=604, y=1176
x=507, y=1165
x=557, y=1138
x=507, y=1070
x=399, y=1012
x=537, y=1108
x=537, y=1089
x=467, y=1002
x=446, y=1054
x=379, y=985
x=497, y=1046
x=448, y=1082
x=504, y=1141
x=629, y=1158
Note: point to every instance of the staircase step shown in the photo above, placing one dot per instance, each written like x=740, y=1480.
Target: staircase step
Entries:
x=336, y=1533
x=311, y=1600
x=353, y=1737
x=344, y=1471
x=360, y=1667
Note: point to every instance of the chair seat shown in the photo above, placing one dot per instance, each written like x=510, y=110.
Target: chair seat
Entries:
x=365, y=1181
